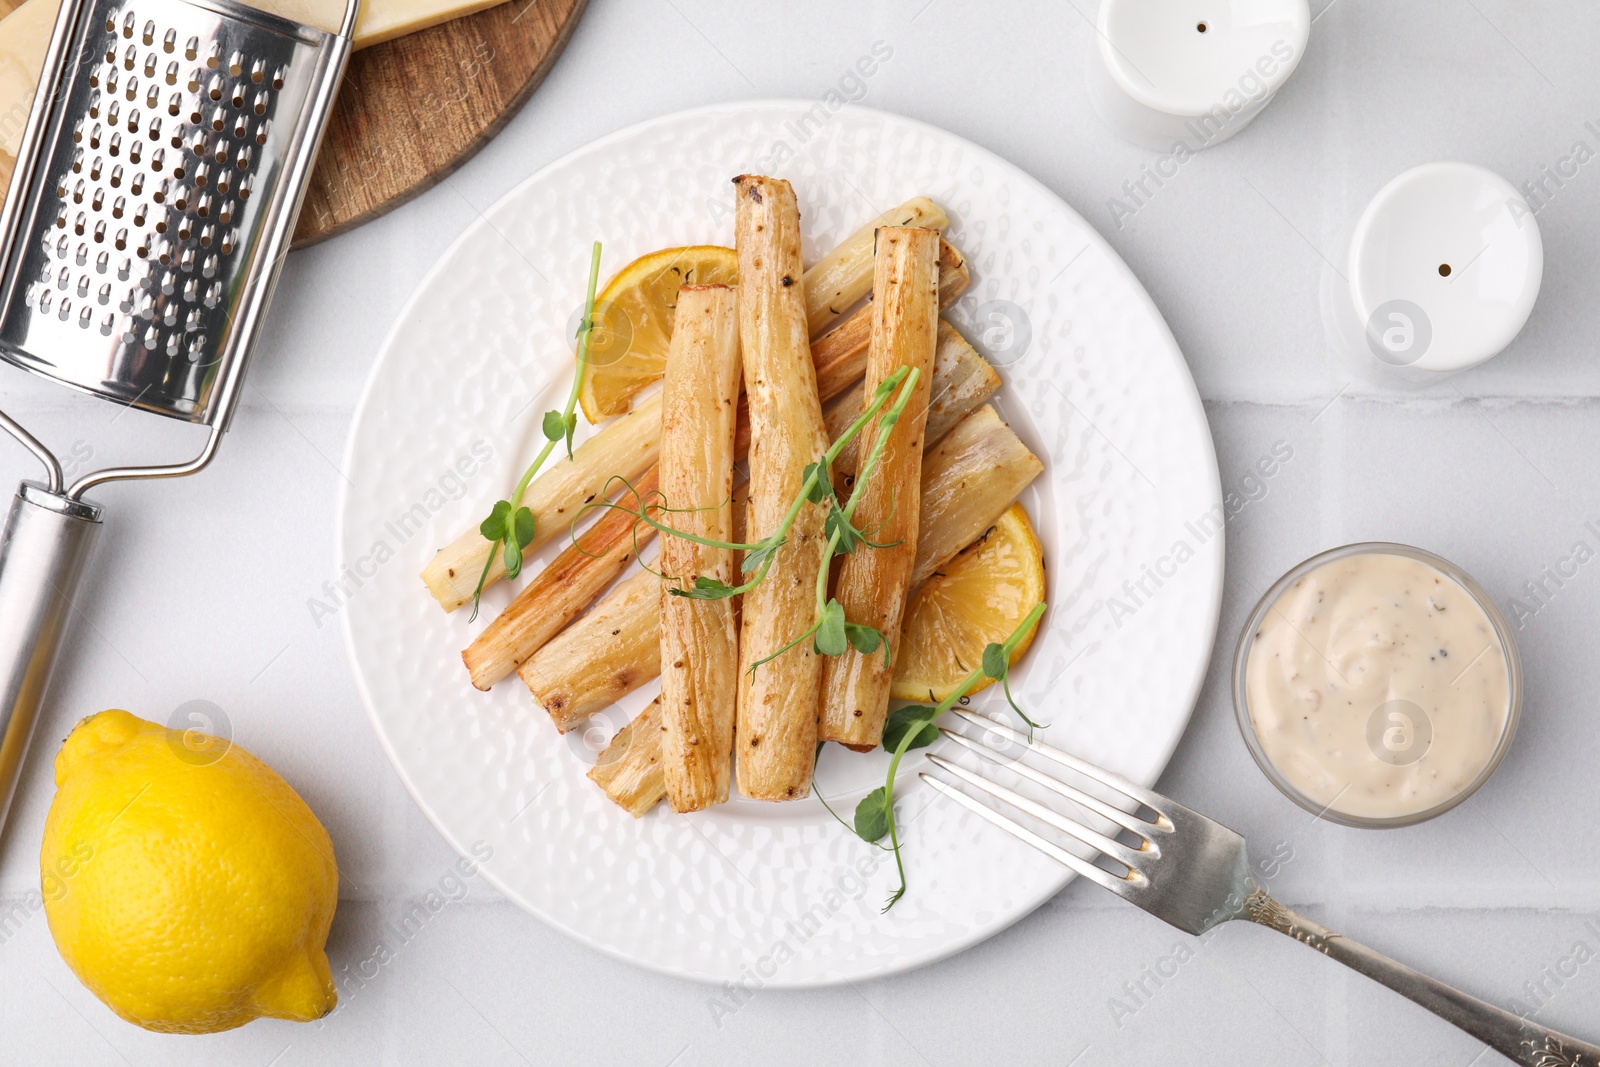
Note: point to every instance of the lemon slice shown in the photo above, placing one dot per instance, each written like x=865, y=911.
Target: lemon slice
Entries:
x=977, y=599
x=633, y=322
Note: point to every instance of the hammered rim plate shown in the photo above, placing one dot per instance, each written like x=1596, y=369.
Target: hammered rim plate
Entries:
x=1129, y=510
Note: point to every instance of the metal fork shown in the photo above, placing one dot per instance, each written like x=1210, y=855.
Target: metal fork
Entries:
x=1192, y=872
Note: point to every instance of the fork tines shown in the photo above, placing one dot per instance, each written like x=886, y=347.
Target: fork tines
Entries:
x=1107, y=846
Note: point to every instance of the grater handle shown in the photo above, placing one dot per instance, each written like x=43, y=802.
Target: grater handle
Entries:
x=352, y=14
x=47, y=540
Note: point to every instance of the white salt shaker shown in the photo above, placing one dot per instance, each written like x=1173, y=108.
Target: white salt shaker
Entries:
x=1192, y=73
x=1440, y=273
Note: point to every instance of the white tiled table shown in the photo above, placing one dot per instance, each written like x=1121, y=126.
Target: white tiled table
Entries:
x=203, y=593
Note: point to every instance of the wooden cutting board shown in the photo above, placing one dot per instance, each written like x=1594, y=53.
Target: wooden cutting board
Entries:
x=414, y=109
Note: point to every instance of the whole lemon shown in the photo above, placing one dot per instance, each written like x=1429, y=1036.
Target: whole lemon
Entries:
x=190, y=888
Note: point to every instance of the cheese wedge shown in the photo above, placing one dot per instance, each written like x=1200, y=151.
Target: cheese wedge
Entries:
x=384, y=20
x=380, y=20
x=25, y=35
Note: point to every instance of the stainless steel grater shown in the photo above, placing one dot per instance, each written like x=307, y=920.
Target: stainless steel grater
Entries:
x=156, y=190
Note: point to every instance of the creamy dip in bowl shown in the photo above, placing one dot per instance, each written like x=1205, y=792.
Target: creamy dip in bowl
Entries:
x=1377, y=685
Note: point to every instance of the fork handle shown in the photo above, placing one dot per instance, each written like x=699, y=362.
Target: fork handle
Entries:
x=1513, y=1036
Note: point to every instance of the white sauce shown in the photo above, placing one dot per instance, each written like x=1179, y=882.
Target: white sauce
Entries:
x=1377, y=686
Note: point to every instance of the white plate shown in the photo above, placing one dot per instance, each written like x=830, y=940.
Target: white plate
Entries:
x=777, y=895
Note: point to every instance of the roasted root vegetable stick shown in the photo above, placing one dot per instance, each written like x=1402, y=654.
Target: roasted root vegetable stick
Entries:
x=842, y=277
x=953, y=276
x=968, y=481
x=627, y=449
x=629, y=770
x=699, y=638
x=582, y=571
x=602, y=657
x=874, y=582
x=776, y=734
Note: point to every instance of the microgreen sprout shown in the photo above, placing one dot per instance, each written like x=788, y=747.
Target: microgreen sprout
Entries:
x=997, y=665
x=913, y=727
x=510, y=526
x=758, y=555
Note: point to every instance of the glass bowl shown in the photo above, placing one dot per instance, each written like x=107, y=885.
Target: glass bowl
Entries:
x=1241, y=698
